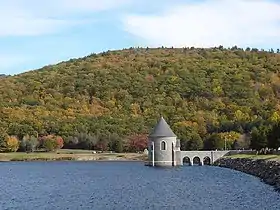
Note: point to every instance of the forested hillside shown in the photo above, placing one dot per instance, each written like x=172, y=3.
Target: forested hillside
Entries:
x=104, y=100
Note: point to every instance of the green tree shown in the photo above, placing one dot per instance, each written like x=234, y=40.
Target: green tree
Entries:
x=259, y=137
x=214, y=142
x=273, y=136
x=85, y=140
x=116, y=143
x=195, y=143
x=3, y=137
x=28, y=144
x=118, y=146
x=51, y=143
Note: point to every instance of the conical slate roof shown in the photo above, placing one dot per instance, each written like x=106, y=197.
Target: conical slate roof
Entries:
x=162, y=129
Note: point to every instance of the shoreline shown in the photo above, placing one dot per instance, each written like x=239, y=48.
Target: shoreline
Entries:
x=66, y=155
x=70, y=160
x=266, y=169
x=60, y=160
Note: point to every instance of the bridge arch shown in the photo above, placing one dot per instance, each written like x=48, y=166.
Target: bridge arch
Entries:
x=205, y=157
x=206, y=160
x=187, y=161
x=197, y=160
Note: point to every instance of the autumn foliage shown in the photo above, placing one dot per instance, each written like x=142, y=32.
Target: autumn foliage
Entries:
x=12, y=144
x=137, y=142
x=51, y=142
x=210, y=97
x=8, y=143
x=59, y=141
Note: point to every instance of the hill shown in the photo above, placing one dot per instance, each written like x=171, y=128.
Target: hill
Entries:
x=118, y=94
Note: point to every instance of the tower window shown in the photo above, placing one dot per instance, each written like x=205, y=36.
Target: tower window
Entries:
x=152, y=147
x=163, y=145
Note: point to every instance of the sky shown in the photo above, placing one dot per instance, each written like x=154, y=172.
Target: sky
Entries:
x=37, y=33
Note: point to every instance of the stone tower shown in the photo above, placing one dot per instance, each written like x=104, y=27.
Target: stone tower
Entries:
x=164, y=148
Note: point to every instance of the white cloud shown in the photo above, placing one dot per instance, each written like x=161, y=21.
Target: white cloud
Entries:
x=210, y=23
x=20, y=18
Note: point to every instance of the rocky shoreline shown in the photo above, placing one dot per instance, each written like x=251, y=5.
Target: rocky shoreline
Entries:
x=267, y=170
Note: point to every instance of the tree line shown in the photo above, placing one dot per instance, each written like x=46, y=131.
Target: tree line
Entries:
x=112, y=142
x=30, y=143
x=211, y=98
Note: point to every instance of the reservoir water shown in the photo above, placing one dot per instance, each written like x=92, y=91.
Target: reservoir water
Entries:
x=129, y=185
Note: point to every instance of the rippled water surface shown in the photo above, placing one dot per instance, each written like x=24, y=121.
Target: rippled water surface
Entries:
x=129, y=185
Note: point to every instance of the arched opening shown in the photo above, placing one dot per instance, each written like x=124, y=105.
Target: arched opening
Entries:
x=206, y=161
x=196, y=161
x=152, y=147
x=186, y=161
x=163, y=145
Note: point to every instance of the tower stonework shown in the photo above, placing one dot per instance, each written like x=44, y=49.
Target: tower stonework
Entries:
x=163, y=146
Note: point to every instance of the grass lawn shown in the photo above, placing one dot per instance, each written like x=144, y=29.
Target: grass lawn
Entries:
x=265, y=157
x=66, y=154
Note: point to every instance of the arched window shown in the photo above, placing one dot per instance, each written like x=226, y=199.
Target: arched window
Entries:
x=163, y=145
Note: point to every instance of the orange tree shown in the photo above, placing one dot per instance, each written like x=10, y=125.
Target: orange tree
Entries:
x=9, y=144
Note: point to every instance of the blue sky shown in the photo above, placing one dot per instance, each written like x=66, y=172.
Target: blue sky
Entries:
x=36, y=33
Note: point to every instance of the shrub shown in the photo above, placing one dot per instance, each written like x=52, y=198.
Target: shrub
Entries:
x=51, y=142
x=29, y=144
x=3, y=137
x=11, y=144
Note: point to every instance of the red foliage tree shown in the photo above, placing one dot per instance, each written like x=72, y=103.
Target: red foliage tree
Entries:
x=60, y=142
x=51, y=142
x=137, y=142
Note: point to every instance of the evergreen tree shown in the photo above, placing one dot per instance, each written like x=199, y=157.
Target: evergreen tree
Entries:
x=259, y=137
x=195, y=143
x=214, y=142
x=274, y=136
